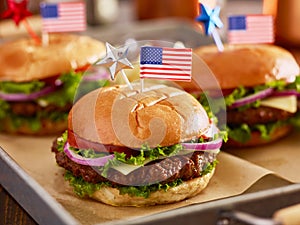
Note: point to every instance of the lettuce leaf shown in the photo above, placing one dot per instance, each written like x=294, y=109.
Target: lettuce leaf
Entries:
x=295, y=85
x=21, y=87
x=83, y=188
x=4, y=109
x=145, y=191
x=64, y=95
x=242, y=92
x=295, y=121
x=144, y=153
x=33, y=122
x=61, y=141
x=88, y=86
x=60, y=98
x=212, y=106
x=242, y=133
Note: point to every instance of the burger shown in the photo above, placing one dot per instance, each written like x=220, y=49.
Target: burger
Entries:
x=38, y=82
x=261, y=87
x=125, y=147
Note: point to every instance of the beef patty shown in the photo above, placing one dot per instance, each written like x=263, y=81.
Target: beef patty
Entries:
x=260, y=115
x=162, y=171
x=31, y=108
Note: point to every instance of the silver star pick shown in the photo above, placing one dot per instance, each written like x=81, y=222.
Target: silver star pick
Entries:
x=115, y=59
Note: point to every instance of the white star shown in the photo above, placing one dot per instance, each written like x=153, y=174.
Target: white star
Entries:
x=115, y=59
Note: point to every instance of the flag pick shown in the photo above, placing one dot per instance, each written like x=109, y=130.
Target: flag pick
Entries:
x=253, y=29
x=17, y=10
x=166, y=63
x=62, y=17
x=211, y=19
x=116, y=61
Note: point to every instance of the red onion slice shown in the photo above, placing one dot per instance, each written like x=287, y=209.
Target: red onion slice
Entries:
x=212, y=145
x=13, y=97
x=286, y=93
x=96, y=76
x=101, y=161
x=252, y=98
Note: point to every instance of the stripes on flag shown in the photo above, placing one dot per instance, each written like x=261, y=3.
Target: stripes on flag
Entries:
x=63, y=16
x=250, y=29
x=166, y=63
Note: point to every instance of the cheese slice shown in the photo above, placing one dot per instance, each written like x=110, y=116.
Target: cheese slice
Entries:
x=286, y=103
x=126, y=168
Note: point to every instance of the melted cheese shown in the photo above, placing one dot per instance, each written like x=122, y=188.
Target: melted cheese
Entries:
x=126, y=168
x=287, y=103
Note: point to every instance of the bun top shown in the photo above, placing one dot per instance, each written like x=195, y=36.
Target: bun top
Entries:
x=160, y=115
x=23, y=60
x=249, y=65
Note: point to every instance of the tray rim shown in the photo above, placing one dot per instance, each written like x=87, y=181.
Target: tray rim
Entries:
x=218, y=206
x=17, y=182
x=34, y=199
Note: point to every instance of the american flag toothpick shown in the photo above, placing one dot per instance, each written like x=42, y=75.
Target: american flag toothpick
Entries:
x=250, y=29
x=62, y=17
x=166, y=63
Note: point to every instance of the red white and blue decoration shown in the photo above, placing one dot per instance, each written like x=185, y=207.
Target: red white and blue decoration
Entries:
x=166, y=63
x=210, y=18
x=16, y=10
x=250, y=29
x=116, y=60
x=63, y=16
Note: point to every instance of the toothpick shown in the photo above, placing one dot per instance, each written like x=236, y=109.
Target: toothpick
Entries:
x=126, y=80
x=45, y=39
x=217, y=40
x=142, y=84
x=31, y=32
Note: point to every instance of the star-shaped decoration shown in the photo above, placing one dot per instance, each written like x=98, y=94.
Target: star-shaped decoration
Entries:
x=115, y=59
x=17, y=10
x=210, y=18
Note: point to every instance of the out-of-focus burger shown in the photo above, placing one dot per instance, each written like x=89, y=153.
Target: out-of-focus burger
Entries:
x=261, y=87
x=38, y=83
x=130, y=148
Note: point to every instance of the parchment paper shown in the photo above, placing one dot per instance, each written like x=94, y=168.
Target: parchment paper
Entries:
x=233, y=176
x=281, y=157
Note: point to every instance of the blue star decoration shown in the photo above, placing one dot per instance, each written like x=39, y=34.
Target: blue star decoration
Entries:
x=115, y=59
x=210, y=18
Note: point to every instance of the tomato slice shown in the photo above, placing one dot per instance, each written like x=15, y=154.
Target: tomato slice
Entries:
x=81, y=143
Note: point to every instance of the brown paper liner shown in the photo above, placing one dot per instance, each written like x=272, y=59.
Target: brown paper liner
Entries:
x=254, y=169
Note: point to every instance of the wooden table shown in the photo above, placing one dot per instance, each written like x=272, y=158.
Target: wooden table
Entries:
x=11, y=212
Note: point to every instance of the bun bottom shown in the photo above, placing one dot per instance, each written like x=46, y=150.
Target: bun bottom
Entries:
x=48, y=127
x=187, y=189
x=256, y=139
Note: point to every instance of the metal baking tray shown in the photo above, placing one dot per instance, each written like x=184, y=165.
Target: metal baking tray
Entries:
x=260, y=204
x=44, y=209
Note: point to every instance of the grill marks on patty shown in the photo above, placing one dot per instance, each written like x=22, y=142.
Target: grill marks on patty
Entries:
x=163, y=171
x=31, y=108
x=260, y=115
